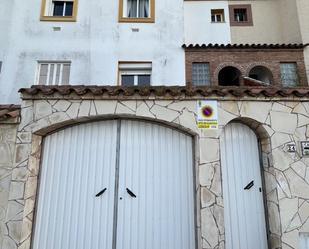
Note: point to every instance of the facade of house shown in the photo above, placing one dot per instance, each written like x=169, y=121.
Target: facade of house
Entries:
x=152, y=124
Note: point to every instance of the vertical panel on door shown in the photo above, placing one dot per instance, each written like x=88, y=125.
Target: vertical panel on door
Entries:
x=156, y=164
x=78, y=162
x=243, y=209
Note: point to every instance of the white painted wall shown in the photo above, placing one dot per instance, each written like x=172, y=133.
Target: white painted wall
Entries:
x=94, y=44
x=198, y=26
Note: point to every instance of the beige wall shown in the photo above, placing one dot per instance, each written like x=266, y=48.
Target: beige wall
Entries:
x=274, y=21
x=303, y=10
x=306, y=55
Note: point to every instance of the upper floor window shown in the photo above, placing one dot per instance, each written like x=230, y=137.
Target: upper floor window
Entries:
x=289, y=74
x=53, y=73
x=217, y=15
x=135, y=74
x=241, y=15
x=136, y=11
x=200, y=74
x=57, y=10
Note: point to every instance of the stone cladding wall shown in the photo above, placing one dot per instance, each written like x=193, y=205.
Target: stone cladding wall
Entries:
x=276, y=123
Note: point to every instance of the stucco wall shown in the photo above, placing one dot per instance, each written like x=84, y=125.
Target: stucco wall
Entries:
x=286, y=174
x=198, y=26
x=273, y=22
x=94, y=44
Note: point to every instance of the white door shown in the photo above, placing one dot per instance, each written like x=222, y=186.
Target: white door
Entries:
x=78, y=163
x=116, y=185
x=156, y=197
x=242, y=189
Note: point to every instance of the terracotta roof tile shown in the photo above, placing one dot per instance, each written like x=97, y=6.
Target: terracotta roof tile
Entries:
x=163, y=91
x=251, y=46
x=9, y=111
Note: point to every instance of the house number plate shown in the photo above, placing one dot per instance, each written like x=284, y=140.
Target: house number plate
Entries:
x=305, y=148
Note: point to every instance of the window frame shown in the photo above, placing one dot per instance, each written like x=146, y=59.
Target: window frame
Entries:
x=298, y=83
x=135, y=71
x=216, y=12
x=248, y=8
x=209, y=74
x=51, y=18
x=123, y=19
x=62, y=63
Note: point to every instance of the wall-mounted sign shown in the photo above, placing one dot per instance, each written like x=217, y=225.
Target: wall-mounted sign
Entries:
x=305, y=148
x=207, y=114
x=290, y=147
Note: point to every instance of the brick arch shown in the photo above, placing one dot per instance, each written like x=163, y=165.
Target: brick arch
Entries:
x=252, y=65
x=271, y=198
x=228, y=64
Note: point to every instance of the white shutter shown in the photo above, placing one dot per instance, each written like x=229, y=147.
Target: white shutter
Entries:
x=77, y=163
x=156, y=164
x=243, y=209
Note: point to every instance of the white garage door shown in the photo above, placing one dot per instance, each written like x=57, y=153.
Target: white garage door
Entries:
x=116, y=185
x=242, y=189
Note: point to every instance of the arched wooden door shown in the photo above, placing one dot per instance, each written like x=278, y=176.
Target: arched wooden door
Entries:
x=119, y=184
x=244, y=216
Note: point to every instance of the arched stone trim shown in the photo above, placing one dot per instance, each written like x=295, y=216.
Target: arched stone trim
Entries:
x=271, y=198
x=228, y=64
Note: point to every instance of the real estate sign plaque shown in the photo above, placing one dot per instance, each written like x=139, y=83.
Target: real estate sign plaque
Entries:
x=207, y=114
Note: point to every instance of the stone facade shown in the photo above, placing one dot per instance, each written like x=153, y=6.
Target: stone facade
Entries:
x=276, y=123
x=244, y=59
x=10, y=211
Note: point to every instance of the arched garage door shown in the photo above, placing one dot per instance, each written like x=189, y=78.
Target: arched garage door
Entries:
x=116, y=185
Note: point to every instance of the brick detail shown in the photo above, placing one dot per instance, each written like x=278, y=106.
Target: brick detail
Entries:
x=245, y=60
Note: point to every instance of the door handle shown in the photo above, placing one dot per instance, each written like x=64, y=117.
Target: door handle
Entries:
x=250, y=185
x=130, y=193
x=101, y=192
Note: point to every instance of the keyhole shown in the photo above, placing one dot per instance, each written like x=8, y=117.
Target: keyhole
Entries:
x=120, y=198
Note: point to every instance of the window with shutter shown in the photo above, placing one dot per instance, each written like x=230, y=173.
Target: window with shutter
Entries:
x=135, y=74
x=53, y=73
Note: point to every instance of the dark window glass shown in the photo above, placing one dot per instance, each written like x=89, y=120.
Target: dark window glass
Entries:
x=69, y=9
x=58, y=8
x=240, y=15
x=144, y=80
x=213, y=18
x=127, y=80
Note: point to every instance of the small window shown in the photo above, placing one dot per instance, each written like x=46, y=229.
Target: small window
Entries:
x=217, y=15
x=289, y=75
x=61, y=8
x=56, y=10
x=135, y=74
x=136, y=11
x=240, y=15
x=200, y=74
x=53, y=73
